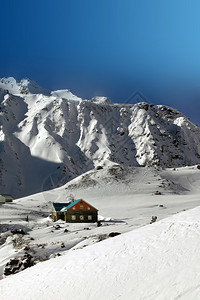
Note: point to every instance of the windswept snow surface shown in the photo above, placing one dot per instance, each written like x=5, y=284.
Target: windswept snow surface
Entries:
x=59, y=136
x=158, y=261
x=152, y=262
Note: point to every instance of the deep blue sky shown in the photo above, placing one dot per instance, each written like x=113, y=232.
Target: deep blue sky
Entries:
x=106, y=47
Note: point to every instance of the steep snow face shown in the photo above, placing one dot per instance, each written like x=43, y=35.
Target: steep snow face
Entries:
x=163, y=136
x=9, y=84
x=29, y=86
x=98, y=99
x=65, y=94
x=48, y=138
x=25, y=86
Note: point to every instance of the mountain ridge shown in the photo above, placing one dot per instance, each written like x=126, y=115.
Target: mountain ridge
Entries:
x=48, y=138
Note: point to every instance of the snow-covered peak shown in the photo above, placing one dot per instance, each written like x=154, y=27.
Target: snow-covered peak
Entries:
x=65, y=94
x=9, y=84
x=24, y=86
x=101, y=100
x=29, y=86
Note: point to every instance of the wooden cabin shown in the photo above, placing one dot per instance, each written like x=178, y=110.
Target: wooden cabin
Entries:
x=7, y=197
x=76, y=211
x=2, y=200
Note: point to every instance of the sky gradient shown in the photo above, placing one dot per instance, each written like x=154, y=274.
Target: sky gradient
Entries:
x=106, y=47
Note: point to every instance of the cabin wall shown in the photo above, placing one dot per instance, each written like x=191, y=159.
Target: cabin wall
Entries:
x=60, y=215
x=2, y=200
x=9, y=200
x=56, y=215
x=53, y=215
x=80, y=216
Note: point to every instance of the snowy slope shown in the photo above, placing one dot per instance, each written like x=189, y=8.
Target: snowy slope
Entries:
x=159, y=261
x=48, y=138
x=125, y=197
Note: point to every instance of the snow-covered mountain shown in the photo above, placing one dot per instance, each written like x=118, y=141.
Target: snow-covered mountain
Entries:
x=48, y=138
x=25, y=86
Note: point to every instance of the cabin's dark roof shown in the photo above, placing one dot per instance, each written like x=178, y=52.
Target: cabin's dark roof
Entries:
x=6, y=195
x=59, y=206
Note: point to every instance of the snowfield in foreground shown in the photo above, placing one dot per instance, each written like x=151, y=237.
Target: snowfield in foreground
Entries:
x=158, y=261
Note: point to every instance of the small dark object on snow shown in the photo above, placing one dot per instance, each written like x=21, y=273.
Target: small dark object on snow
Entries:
x=66, y=230
x=27, y=260
x=198, y=167
x=26, y=218
x=17, y=231
x=62, y=245
x=153, y=219
x=112, y=234
x=14, y=261
x=41, y=245
x=99, y=224
x=102, y=237
x=99, y=167
x=26, y=248
x=161, y=205
x=57, y=226
x=157, y=193
x=87, y=228
x=28, y=263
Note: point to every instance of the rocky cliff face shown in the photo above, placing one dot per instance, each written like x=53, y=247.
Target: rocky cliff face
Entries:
x=48, y=138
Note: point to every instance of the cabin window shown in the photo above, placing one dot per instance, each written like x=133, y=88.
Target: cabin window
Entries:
x=81, y=206
x=81, y=217
x=88, y=208
x=73, y=217
x=89, y=218
x=74, y=208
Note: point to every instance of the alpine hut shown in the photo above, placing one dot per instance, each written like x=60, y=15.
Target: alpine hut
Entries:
x=7, y=197
x=76, y=211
